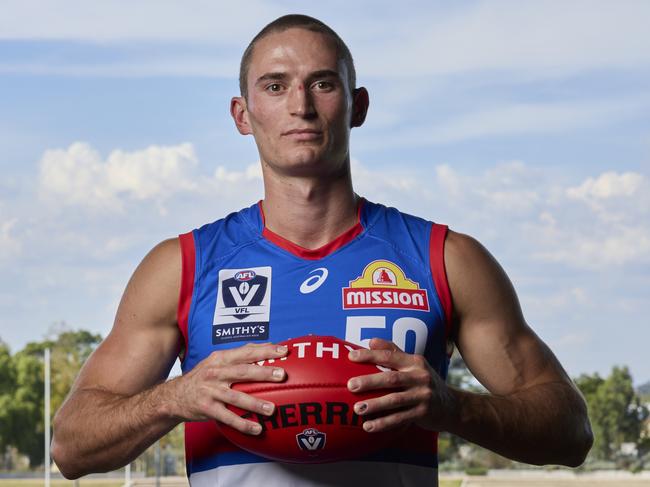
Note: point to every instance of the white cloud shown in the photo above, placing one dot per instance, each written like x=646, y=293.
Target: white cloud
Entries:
x=548, y=38
x=515, y=119
x=10, y=246
x=559, y=301
x=531, y=39
x=78, y=176
x=148, y=64
x=572, y=340
x=154, y=171
x=120, y=20
x=611, y=229
x=615, y=197
x=252, y=172
x=599, y=224
x=383, y=185
x=588, y=245
x=508, y=189
x=609, y=185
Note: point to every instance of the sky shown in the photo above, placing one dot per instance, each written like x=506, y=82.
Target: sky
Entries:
x=523, y=124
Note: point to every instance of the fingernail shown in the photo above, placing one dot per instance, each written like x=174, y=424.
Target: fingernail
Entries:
x=360, y=407
x=256, y=429
x=278, y=373
x=354, y=354
x=281, y=348
x=353, y=384
x=267, y=407
x=368, y=426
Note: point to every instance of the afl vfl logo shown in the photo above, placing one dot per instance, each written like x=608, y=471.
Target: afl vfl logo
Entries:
x=311, y=439
x=245, y=275
x=243, y=308
x=312, y=283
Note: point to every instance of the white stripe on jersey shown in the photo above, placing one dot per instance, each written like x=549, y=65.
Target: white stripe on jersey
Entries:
x=340, y=474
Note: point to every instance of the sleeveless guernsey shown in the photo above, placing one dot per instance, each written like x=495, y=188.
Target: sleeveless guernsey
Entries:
x=382, y=278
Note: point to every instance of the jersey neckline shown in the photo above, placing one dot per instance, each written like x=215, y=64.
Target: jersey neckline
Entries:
x=313, y=254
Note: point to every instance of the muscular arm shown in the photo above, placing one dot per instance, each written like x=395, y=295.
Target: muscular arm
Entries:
x=120, y=404
x=113, y=412
x=533, y=412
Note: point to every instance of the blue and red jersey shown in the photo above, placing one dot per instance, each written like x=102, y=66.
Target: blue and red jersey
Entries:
x=241, y=283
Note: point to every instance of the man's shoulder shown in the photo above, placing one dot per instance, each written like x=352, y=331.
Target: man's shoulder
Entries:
x=465, y=249
x=376, y=212
x=222, y=236
x=249, y=217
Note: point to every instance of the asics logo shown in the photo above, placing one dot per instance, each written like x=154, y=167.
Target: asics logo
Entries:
x=314, y=282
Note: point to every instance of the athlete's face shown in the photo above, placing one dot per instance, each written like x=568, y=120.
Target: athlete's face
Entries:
x=299, y=107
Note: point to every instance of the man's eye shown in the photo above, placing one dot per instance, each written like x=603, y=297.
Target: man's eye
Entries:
x=275, y=87
x=323, y=85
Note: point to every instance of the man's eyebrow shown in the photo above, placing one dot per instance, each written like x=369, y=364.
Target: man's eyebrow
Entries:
x=271, y=76
x=325, y=73
x=279, y=76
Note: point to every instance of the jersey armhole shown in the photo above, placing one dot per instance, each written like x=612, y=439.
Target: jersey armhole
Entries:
x=188, y=259
x=439, y=274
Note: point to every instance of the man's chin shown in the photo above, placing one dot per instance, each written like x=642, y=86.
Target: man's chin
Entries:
x=306, y=165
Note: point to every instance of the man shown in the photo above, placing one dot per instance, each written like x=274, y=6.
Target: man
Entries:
x=307, y=259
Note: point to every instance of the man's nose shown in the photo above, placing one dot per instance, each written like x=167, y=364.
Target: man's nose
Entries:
x=300, y=102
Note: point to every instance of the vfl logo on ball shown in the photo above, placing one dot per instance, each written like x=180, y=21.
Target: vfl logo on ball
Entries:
x=242, y=311
x=311, y=440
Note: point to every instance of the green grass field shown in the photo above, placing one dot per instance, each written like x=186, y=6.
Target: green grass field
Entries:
x=113, y=483
x=61, y=483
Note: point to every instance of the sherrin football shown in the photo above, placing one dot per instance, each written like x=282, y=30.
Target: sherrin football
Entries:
x=314, y=420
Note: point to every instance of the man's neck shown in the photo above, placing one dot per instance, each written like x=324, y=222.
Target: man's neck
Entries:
x=309, y=212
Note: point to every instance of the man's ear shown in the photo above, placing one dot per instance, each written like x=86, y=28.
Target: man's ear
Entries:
x=360, y=103
x=239, y=112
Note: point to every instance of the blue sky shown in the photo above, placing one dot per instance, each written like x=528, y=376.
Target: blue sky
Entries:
x=524, y=124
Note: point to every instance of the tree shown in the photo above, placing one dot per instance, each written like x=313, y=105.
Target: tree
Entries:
x=615, y=410
x=22, y=384
x=70, y=349
x=27, y=407
x=7, y=387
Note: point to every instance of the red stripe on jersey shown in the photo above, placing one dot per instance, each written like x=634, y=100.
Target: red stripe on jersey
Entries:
x=314, y=254
x=188, y=258
x=437, y=263
x=203, y=439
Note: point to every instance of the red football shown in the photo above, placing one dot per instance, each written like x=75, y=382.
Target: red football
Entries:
x=314, y=420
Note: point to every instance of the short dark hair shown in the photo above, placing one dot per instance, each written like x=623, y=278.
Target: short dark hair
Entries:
x=302, y=22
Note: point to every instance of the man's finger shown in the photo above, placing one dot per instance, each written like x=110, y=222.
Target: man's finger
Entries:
x=245, y=401
x=240, y=424
x=392, y=358
x=250, y=353
x=391, y=421
x=250, y=373
x=385, y=404
x=381, y=344
x=392, y=379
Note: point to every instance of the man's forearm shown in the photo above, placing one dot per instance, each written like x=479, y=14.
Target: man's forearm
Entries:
x=97, y=430
x=545, y=424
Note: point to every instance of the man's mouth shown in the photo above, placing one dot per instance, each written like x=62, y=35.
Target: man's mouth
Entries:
x=303, y=134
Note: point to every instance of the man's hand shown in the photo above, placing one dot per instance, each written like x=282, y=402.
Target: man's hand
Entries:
x=424, y=398
x=205, y=391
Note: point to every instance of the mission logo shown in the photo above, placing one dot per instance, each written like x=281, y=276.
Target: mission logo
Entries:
x=243, y=305
x=383, y=284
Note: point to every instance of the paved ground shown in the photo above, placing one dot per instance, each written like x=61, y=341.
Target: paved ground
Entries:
x=444, y=482
x=487, y=482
